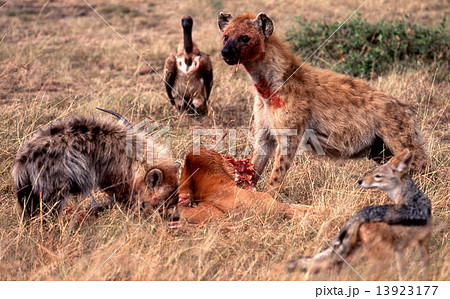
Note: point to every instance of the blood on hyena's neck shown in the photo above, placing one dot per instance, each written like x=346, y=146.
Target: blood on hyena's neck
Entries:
x=270, y=72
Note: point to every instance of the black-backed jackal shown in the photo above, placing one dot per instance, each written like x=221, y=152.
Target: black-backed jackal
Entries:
x=377, y=229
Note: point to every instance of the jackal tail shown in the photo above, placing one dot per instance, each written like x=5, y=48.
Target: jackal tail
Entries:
x=334, y=256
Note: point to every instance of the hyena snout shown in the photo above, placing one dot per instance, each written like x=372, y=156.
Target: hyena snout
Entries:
x=159, y=202
x=230, y=54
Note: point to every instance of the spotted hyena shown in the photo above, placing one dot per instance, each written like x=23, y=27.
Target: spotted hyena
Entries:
x=349, y=117
x=79, y=154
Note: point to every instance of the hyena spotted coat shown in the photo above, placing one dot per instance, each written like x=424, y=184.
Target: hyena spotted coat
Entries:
x=349, y=117
x=78, y=154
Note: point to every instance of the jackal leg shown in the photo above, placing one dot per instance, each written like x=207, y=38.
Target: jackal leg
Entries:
x=424, y=247
x=400, y=264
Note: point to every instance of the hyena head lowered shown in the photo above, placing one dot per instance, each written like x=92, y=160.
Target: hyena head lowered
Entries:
x=244, y=36
x=79, y=154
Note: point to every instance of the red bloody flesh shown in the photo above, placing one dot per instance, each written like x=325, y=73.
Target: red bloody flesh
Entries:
x=243, y=169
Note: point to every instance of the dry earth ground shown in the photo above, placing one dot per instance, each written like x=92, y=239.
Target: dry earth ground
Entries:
x=59, y=57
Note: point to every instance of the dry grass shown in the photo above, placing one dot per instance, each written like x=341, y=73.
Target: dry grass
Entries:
x=57, y=59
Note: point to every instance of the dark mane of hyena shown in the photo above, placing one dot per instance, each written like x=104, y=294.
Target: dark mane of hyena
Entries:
x=76, y=155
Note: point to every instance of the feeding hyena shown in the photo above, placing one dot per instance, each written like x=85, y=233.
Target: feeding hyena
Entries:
x=80, y=154
x=349, y=117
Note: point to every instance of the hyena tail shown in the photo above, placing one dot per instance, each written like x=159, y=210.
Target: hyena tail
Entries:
x=335, y=255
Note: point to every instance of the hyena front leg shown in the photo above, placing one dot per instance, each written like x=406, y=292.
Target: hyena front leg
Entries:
x=264, y=149
x=284, y=156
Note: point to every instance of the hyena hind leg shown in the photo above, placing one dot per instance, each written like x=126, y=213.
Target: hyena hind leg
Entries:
x=28, y=202
x=42, y=205
x=410, y=138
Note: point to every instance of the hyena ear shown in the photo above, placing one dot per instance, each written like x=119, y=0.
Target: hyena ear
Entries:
x=264, y=24
x=405, y=159
x=154, y=178
x=223, y=20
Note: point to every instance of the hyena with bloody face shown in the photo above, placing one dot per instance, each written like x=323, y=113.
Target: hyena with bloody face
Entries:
x=79, y=154
x=349, y=117
x=377, y=231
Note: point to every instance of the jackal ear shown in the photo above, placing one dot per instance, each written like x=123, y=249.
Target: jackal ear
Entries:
x=154, y=177
x=264, y=24
x=405, y=160
x=223, y=20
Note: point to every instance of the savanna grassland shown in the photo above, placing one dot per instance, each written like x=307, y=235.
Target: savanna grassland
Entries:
x=59, y=58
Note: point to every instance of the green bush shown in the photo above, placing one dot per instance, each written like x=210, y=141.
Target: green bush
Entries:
x=363, y=49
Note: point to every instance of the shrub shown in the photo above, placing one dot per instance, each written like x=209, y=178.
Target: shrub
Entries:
x=363, y=49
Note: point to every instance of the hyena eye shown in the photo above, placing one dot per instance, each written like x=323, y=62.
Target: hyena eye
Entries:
x=244, y=39
x=378, y=176
x=225, y=37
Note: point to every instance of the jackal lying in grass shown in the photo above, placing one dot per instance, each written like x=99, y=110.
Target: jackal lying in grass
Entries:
x=375, y=229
